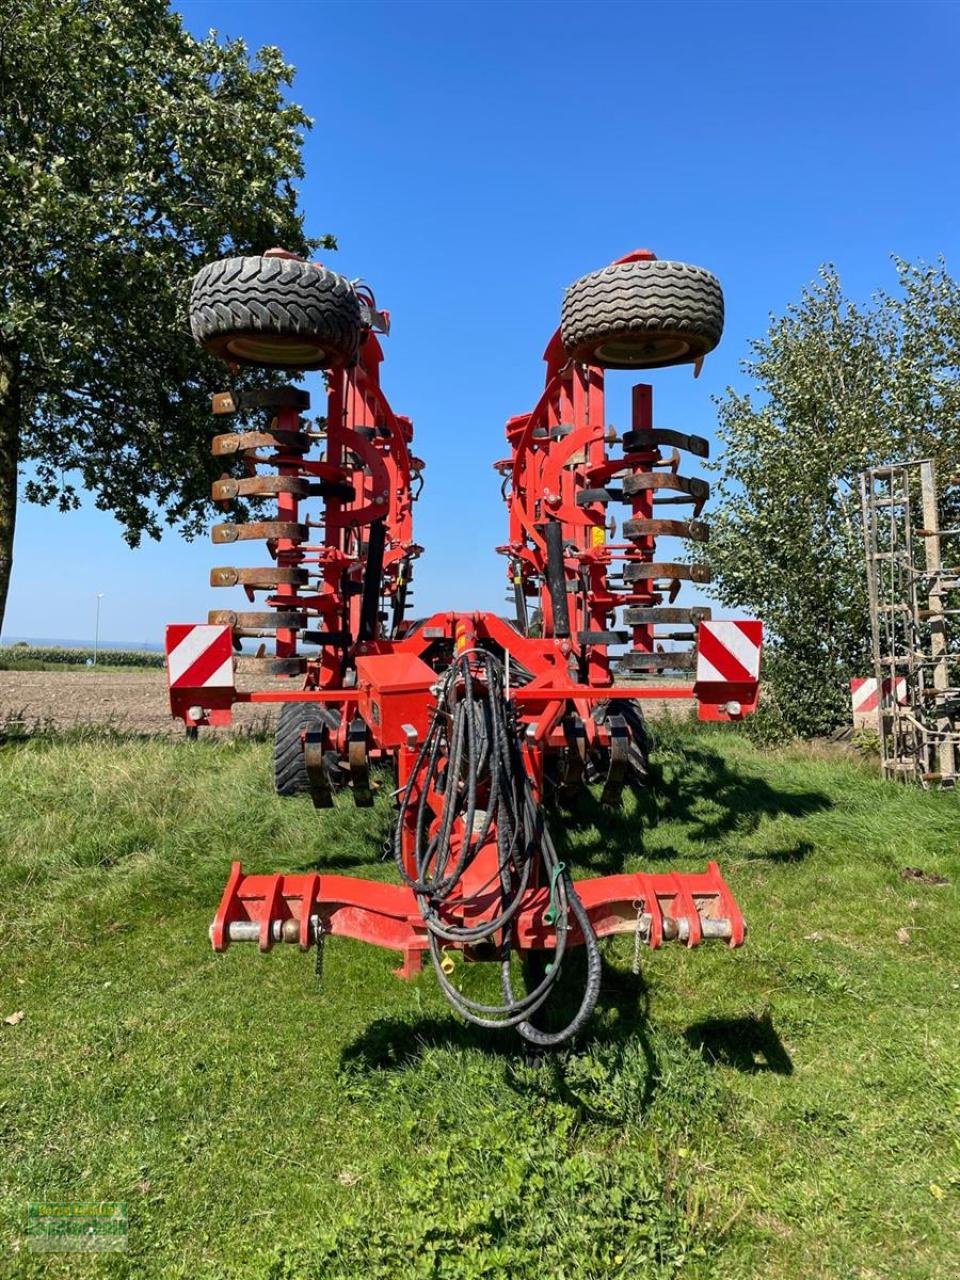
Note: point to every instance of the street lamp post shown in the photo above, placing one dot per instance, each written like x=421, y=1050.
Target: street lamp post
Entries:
x=96, y=634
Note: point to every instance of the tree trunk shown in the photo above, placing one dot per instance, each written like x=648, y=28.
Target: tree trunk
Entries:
x=9, y=459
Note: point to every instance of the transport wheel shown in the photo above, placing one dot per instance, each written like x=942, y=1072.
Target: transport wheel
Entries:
x=277, y=312
x=646, y=314
x=289, y=770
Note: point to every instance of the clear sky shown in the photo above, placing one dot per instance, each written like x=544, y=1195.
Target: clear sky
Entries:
x=475, y=158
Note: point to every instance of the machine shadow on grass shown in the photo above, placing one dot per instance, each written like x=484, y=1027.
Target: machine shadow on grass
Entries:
x=598, y=838
x=737, y=800
x=621, y=1019
x=750, y=1044
x=601, y=839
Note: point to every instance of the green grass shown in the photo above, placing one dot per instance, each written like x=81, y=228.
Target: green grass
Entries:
x=789, y=1110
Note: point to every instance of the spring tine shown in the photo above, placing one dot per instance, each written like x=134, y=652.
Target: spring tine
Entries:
x=256, y=486
x=228, y=618
x=666, y=661
x=641, y=481
x=258, y=579
x=267, y=529
x=315, y=746
x=248, y=441
x=612, y=793
x=643, y=617
x=359, y=763
x=634, y=441
x=264, y=665
x=640, y=570
x=695, y=530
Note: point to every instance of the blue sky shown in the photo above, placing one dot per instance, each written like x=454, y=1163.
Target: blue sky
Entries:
x=475, y=158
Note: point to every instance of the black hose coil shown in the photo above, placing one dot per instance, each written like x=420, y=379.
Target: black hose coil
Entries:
x=471, y=746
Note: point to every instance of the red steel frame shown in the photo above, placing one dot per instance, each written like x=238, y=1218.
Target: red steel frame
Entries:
x=558, y=449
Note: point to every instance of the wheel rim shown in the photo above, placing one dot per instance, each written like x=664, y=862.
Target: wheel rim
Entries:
x=267, y=350
x=640, y=350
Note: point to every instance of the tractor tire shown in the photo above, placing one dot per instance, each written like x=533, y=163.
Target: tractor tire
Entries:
x=646, y=314
x=289, y=770
x=279, y=313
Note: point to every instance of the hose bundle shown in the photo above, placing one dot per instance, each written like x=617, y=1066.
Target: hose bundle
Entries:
x=471, y=755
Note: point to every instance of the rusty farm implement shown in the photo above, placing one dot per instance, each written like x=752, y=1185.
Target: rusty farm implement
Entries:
x=483, y=720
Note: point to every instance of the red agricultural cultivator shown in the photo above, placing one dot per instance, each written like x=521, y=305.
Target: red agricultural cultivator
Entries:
x=482, y=719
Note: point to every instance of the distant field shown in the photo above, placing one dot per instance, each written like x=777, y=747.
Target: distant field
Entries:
x=786, y=1112
x=26, y=657
x=125, y=700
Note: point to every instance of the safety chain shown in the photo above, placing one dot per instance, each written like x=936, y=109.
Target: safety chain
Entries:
x=637, y=939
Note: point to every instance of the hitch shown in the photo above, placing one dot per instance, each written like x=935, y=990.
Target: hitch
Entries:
x=685, y=907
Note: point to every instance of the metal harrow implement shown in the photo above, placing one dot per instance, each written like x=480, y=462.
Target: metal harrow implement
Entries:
x=484, y=720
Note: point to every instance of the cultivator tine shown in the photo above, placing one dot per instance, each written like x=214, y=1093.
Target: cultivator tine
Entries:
x=695, y=530
x=574, y=756
x=228, y=489
x=653, y=438
x=250, y=622
x=267, y=398
x=282, y=446
x=659, y=615
x=257, y=625
x=265, y=667
x=619, y=767
x=315, y=747
x=258, y=579
x=268, y=530
x=250, y=442
x=359, y=763
x=663, y=660
x=643, y=570
x=695, y=491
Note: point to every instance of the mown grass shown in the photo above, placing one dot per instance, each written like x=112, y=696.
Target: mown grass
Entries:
x=789, y=1110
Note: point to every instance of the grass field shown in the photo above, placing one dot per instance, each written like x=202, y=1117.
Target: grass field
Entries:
x=789, y=1110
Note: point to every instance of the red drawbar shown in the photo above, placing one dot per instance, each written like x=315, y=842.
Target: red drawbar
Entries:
x=687, y=906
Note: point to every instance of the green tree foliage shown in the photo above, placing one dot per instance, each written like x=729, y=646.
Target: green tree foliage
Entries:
x=130, y=154
x=839, y=387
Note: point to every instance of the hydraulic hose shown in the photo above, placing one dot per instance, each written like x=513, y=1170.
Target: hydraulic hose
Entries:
x=471, y=755
x=556, y=579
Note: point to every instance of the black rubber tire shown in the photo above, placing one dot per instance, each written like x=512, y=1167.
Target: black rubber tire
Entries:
x=289, y=770
x=275, y=312
x=647, y=314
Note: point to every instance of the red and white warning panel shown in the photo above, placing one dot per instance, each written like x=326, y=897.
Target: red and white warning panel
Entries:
x=200, y=672
x=865, y=697
x=728, y=668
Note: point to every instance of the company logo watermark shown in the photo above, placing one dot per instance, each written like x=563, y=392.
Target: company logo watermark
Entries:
x=76, y=1226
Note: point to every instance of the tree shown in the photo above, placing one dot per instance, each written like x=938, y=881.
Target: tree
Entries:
x=131, y=153
x=840, y=388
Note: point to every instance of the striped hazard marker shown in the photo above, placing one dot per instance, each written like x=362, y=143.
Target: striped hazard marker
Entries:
x=199, y=656
x=865, y=696
x=729, y=652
